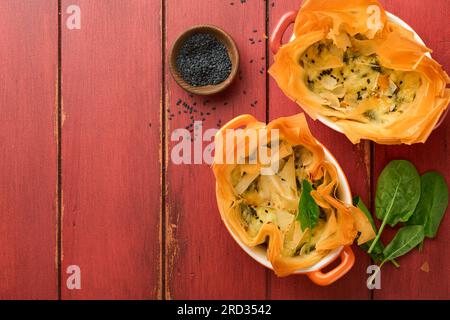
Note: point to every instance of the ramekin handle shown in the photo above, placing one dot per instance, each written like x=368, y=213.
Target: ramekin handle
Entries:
x=324, y=279
x=277, y=34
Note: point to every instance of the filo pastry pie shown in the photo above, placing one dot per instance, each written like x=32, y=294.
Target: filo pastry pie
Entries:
x=349, y=64
x=264, y=209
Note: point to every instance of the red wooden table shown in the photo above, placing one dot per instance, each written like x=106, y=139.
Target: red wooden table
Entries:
x=86, y=177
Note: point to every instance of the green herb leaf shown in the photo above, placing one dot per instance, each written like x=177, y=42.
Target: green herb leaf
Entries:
x=377, y=252
x=406, y=239
x=398, y=192
x=432, y=204
x=308, y=210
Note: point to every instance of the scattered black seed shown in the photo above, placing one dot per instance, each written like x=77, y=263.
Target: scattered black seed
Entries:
x=179, y=102
x=203, y=60
x=376, y=68
x=255, y=31
x=251, y=61
x=150, y=124
x=368, y=81
x=313, y=61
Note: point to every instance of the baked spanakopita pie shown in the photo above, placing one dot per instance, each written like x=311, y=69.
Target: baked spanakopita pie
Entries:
x=295, y=211
x=349, y=64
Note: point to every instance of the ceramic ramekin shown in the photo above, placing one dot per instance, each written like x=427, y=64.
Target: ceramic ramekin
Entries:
x=289, y=18
x=314, y=272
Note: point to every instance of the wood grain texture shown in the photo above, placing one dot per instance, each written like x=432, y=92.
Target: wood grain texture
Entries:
x=354, y=160
x=111, y=187
x=430, y=21
x=203, y=261
x=28, y=145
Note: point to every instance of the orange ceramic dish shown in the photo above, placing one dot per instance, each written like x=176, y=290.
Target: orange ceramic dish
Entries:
x=358, y=69
x=261, y=211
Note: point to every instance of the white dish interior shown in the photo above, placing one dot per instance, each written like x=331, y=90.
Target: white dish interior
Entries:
x=391, y=18
x=259, y=252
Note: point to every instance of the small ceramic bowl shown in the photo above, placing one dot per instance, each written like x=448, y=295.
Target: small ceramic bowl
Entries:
x=289, y=18
x=220, y=35
x=314, y=272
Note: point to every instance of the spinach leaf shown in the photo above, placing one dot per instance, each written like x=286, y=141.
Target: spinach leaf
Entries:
x=432, y=204
x=406, y=239
x=377, y=252
x=397, y=195
x=308, y=210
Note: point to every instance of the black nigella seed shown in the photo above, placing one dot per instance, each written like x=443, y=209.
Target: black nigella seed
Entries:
x=203, y=60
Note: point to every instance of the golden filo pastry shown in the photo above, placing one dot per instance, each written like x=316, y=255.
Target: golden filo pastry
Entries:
x=369, y=76
x=266, y=209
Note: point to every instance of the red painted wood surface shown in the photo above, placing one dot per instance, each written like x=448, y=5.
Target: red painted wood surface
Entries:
x=111, y=94
x=429, y=20
x=28, y=145
x=202, y=260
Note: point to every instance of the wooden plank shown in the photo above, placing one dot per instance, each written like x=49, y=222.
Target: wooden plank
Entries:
x=28, y=144
x=203, y=261
x=110, y=149
x=429, y=20
x=354, y=160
